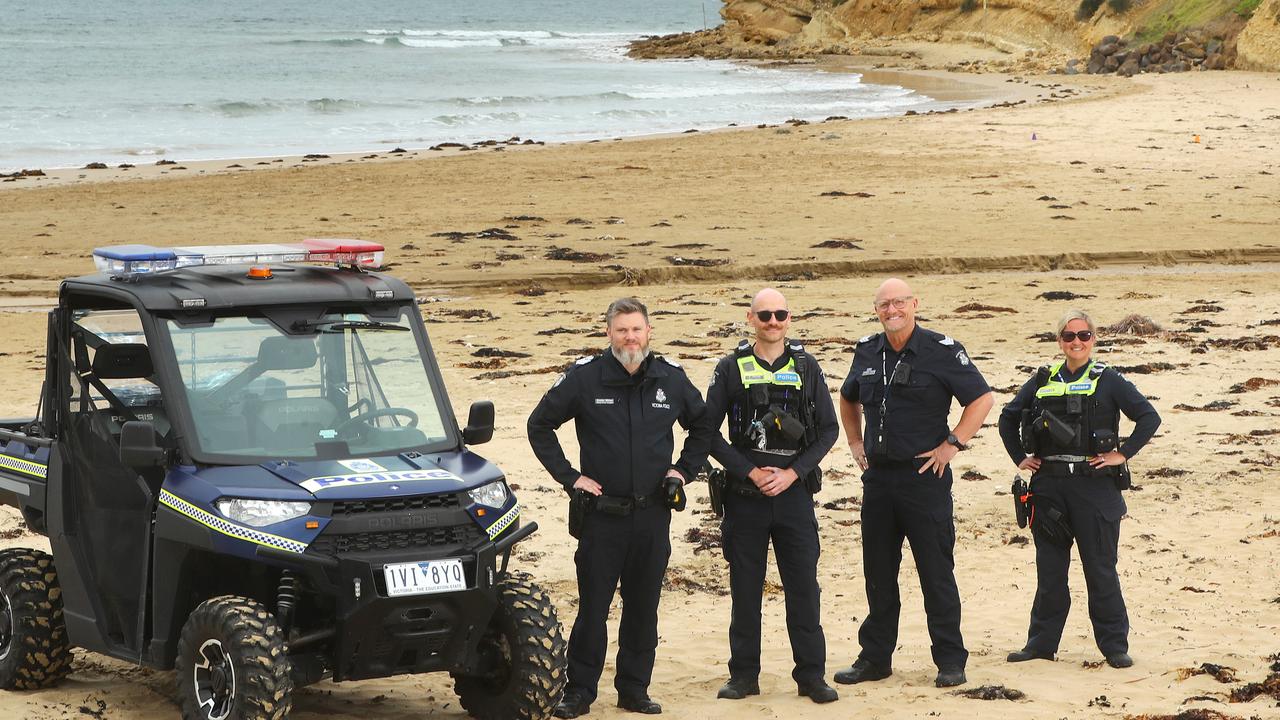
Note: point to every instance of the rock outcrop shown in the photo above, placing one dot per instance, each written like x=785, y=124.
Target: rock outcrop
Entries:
x=1021, y=28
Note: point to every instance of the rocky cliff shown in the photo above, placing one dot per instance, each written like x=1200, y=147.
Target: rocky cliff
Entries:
x=1047, y=28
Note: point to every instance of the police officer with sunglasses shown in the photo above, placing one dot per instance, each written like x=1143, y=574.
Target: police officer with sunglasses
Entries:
x=781, y=425
x=901, y=384
x=1063, y=426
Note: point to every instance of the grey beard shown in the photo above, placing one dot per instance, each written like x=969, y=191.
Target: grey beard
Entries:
x=629, y=357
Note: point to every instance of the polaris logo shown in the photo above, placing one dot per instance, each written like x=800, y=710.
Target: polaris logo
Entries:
x=400, y=522
x=332, y=481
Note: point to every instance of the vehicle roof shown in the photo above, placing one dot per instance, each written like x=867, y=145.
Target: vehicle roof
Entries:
x=228, y=286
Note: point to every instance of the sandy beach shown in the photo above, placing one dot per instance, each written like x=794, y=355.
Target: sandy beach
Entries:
x=1156, y=195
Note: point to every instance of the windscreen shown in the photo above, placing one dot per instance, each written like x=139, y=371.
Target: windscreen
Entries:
x=258, y=392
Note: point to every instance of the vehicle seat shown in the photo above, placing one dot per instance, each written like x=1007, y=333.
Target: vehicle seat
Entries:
x=293, y=423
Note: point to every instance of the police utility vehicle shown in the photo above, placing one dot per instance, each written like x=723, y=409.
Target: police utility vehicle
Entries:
x=248, y=470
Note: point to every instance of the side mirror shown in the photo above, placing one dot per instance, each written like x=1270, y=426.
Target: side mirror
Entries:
x=479, y=427
x=138, y=448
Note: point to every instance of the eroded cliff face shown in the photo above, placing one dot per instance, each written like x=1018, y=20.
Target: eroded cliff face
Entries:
x=1047, y=28
x=1259, y=42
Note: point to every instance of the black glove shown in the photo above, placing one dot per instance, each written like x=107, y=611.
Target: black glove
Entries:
x=674, y=490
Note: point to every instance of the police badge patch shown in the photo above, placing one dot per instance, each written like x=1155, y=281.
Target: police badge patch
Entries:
x=964, y=359
x=660, y=396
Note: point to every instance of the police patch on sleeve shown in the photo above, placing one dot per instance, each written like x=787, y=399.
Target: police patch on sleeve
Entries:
x=559, y=380
x=962, y=357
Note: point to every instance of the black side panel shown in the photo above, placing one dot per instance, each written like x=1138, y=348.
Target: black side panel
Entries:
x=108, y=517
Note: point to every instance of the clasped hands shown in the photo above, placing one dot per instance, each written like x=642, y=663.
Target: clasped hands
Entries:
x=772, y=481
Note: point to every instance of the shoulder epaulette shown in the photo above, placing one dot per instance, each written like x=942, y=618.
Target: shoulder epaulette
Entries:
x=866, y=338
x=1098, y=368
x=669, y=361
x=585, y=360
x=946, y=340
x=795, y=347
x=743, y=348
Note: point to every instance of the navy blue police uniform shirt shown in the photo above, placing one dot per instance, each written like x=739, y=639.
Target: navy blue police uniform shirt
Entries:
x=1115, y=395
x=726, y=390
x=623, y=423
x=917, y=411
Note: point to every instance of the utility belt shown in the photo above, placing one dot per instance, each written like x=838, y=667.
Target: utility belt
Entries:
x=582, y=502
x=1078, y=466
x=624, y=505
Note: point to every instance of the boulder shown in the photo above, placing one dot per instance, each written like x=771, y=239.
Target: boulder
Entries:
x=1109, y=48
x=1111, y=65
x=1129, y=69
x=1110, y=40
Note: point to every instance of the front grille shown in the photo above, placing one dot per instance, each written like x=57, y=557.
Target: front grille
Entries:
x=397, y=540
x=421, y=502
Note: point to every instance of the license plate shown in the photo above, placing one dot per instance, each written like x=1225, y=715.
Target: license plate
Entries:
x=422, y=578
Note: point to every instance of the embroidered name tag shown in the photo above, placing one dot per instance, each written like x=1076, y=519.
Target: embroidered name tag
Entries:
x=604, y=401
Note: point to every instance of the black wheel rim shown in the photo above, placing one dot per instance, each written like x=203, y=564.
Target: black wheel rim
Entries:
x=215, y=680
x=6, y=626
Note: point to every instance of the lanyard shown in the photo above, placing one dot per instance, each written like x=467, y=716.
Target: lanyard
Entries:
x=884, y=397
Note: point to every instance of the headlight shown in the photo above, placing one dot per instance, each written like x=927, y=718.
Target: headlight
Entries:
x=494, y=494
x=260, y=513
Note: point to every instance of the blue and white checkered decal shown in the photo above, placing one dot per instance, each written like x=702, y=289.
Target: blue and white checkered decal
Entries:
x=26, y=467
x=228, y=528
x=504, y=522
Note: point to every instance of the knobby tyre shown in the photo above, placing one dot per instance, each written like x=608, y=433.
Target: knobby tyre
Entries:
x=523, y=656
x=34, y=649
x=233, y=663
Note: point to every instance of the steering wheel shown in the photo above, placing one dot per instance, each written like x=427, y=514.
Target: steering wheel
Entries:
x=364, y=418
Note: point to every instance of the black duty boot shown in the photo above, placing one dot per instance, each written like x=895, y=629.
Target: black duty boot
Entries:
x=950, y=676
x=639, y=704
x=738, y=688
x=818, y=691
x=571, y=705
x=1026, y=654
x=862, y=671
x=1120, y=660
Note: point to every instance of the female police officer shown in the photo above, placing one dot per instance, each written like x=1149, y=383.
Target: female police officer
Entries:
x=1063, y=425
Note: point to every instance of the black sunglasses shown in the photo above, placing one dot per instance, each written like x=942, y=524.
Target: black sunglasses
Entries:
x=1071, y=335
x=767, y=315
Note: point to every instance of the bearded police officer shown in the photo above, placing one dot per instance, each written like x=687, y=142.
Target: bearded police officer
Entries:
x=1064, y=426
x=624, y=403
x=781, y=424
x=901, y=383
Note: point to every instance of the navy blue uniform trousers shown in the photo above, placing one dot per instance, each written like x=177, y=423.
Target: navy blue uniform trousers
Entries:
x=1093, y=510
x=898, y=503
x=628, y=553
x=749, y=524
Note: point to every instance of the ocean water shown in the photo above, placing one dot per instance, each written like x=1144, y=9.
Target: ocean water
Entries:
x=110, y=81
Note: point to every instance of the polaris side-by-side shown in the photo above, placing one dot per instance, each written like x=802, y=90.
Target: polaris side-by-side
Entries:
x=248, y=469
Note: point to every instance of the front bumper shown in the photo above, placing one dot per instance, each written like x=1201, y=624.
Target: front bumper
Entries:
x=378, y=636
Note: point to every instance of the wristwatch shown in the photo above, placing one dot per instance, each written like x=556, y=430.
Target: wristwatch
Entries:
x=951, y=438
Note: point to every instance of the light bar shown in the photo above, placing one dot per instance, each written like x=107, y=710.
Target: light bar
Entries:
x=145, y=259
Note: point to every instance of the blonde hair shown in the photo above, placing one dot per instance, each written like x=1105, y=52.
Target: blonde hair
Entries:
x=1074, y=314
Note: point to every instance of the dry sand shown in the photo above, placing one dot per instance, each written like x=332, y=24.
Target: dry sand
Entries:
x=1114, y=199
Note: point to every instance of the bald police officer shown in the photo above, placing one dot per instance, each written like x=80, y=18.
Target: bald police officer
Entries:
x=901, y=383
x=624, y=403
x=781, y=425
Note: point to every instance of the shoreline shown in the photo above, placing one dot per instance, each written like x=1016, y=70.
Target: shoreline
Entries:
x=944, y=89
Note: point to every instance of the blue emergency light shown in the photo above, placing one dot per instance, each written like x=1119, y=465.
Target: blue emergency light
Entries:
x=145, y=259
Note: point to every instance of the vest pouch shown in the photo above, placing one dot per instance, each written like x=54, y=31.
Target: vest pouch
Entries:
x=1029, y=444
x=813, y=481
x=1062, y=432
x=1122, y=478
x=790, y=426
x=1103, y=441
x=759, y=395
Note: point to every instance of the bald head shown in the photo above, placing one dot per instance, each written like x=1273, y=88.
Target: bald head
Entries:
x=892, y=288
x=768, y=298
